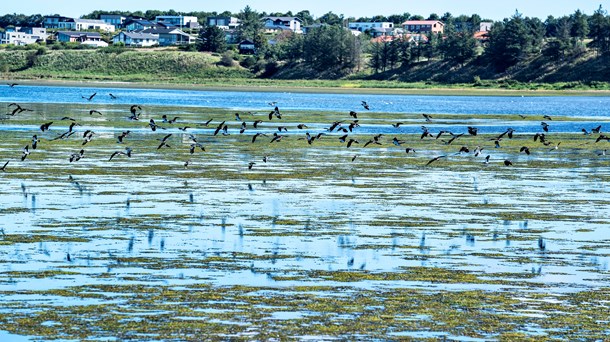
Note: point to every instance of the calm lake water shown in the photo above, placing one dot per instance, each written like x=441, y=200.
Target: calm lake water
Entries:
x=572, y=106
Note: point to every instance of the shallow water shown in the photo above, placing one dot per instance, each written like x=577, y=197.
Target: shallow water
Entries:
x=307, y=218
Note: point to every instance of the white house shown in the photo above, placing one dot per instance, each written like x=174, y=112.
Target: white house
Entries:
x=136, y=39
x=92, y=24
x=113, y=19
x=282, y=23
x=23, y=35
x=176, y=20
x=367, y=26
x=225, y=23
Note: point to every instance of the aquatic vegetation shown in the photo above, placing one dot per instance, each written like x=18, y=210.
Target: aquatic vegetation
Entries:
x=311, y=243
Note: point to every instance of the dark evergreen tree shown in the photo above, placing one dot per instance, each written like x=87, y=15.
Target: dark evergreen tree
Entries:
x=213, y=39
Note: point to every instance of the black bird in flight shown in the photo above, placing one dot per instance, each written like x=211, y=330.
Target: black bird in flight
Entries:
x=524, y=149
x=353, y=114
x=352, y=141
x=255, y=124
x=126, y=153
x=302, y=126
x=45, y=127
x=194, y=146
x=166, y=120
x=464, y=149
x=34, y=141
x=89, y=98
x=275, y=112
x=207, y=122
x=473, y=131
x=250, y=165
x=596, y=129
x=256, y=136
x=434, y=159
x=122, y=136
x=545, y=126
x=219, y=128
x=547, y=117
x=508, y=162
x=93, y=111
x=153, y=125
x=3, y=169
x=12, y=85
x=77, y=156
x=112, y=96
x=409, y=149
x=396, y=125
x=427, y=117
x=397, y=142
x=276, y=137
x=365, y=105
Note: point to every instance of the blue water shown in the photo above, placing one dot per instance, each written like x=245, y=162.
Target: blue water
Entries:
x=571, y=106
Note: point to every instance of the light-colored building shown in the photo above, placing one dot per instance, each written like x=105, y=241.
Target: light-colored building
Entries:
x=176, y=20
x=423, y=26
x=171, y=36
x=58, y=22
x=23, y=35
x=136, y=39
x=113, y=19
x=364, y=26
x=225, y=23
x=282, y=23
x=92, y=24
x=485, y=26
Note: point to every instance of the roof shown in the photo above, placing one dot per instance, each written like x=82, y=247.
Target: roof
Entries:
x=91, y=21
x=282, y=18
x=80, y=34
x=139, y=35
x=246, y=41
x=139, y=21
x=164, y=31
x=422, y=22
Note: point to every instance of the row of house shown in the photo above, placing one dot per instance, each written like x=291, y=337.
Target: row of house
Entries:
x=110, y=22
x=23, y=35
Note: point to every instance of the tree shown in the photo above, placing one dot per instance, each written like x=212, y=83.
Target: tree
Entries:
x=331, y=49
x=512, y=40
x=306, y=17
x=580, y=25
x=600, y=31
x=251, y=25
x=212, y=39
x=458, y=47
x=331, y=19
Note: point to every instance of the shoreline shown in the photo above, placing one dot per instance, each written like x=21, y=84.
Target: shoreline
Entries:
x=283, y=88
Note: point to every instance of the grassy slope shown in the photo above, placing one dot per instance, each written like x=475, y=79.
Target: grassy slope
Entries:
x=127, y=66
x=172, y=67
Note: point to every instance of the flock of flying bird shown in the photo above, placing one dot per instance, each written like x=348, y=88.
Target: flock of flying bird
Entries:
x=342, y=128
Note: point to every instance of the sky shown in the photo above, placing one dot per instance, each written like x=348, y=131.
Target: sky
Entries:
x=487, y=9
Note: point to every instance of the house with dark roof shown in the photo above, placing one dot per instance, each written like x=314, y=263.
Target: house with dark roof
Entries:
x=275, y=24
x=113, y=19
x=246, y=47
x=171, y=36
x=136, y=39
x=423, y=26
x=85, y=38
x=138, y=24
x=225, y=23
x=58, y=22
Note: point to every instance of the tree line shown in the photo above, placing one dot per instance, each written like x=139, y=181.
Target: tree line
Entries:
x=330, y=49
